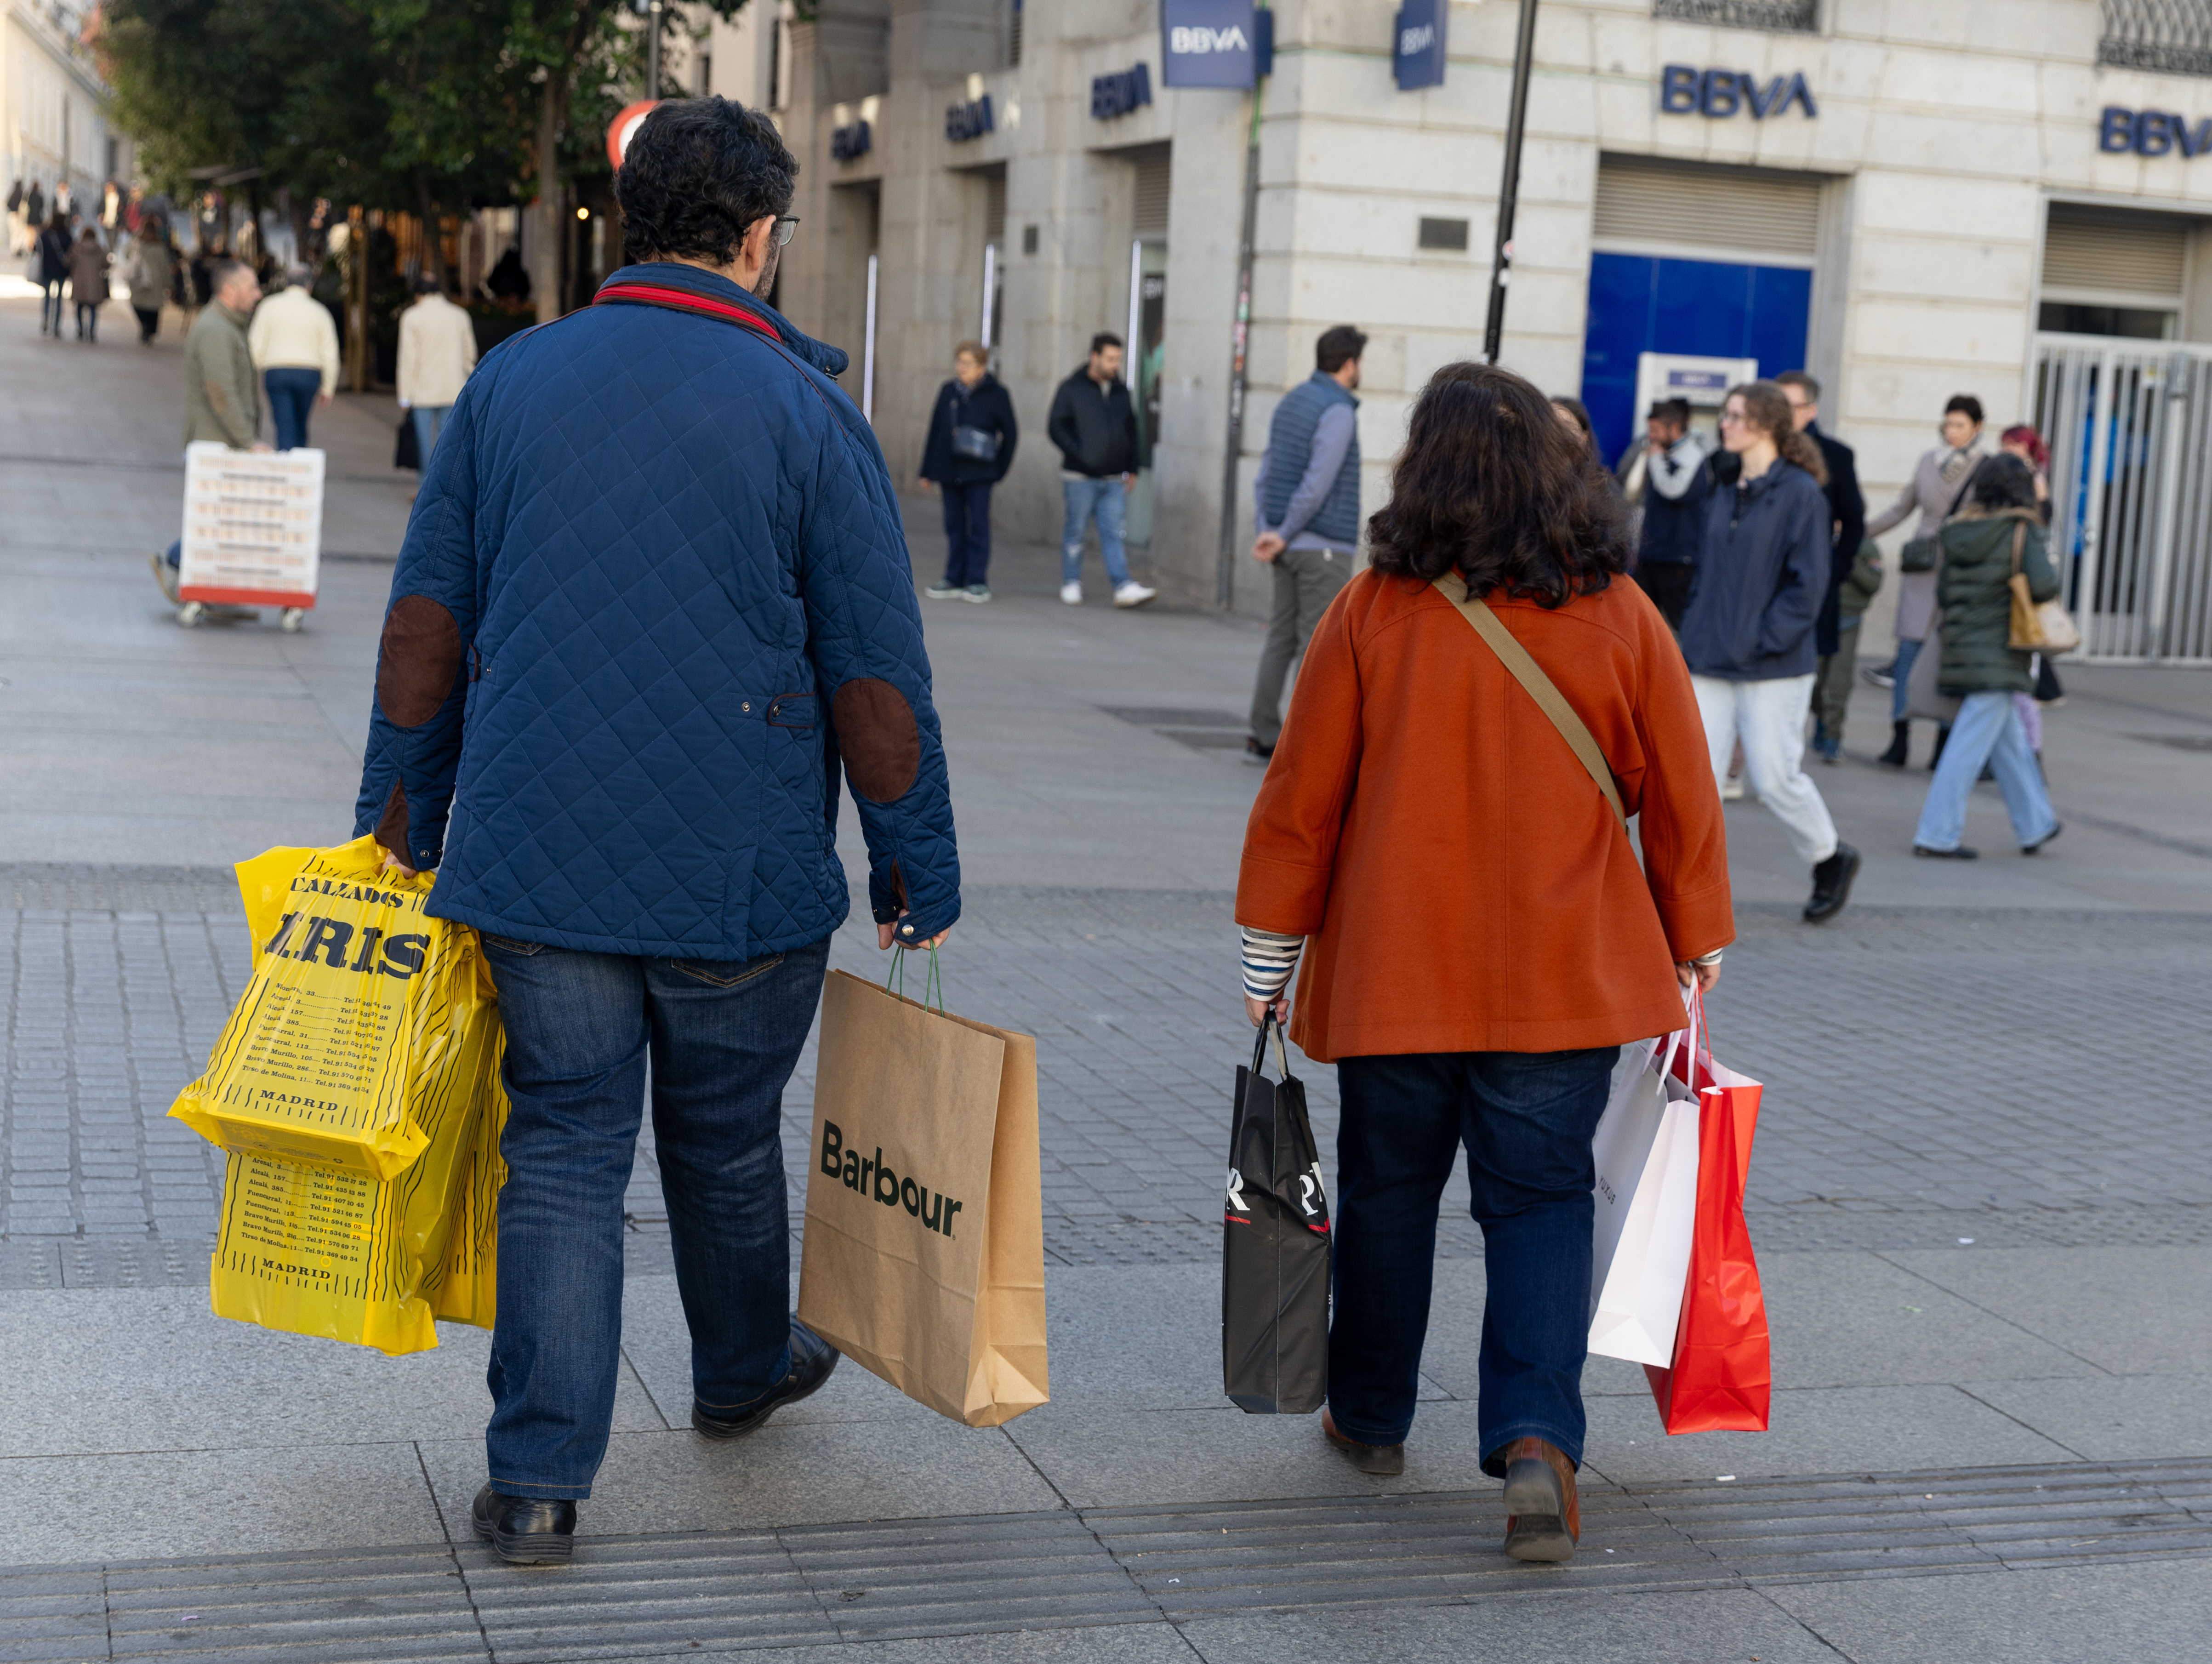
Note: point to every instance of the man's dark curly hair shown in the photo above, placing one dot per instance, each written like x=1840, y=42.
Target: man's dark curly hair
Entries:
x=697, y=173
x=1492, y=485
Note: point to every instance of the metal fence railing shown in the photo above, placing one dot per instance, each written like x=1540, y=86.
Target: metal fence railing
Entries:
x=2172, y=35
x=1800, y=16
x=2130, y=427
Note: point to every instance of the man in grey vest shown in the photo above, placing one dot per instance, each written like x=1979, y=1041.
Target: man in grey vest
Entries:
x=1306, y=506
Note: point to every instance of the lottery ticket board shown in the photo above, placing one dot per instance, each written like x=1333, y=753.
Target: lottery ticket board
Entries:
x=253, y=525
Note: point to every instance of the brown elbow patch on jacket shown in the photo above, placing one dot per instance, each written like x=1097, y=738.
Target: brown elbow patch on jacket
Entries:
x=418, y=660
x=876, y=734
x=392, y=825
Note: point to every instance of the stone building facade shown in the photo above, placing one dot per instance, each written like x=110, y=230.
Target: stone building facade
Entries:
x=1911, y=198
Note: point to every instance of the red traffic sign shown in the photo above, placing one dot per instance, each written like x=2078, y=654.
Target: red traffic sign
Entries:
x=624, y=127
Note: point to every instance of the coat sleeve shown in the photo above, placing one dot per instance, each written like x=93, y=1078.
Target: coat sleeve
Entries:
x=1290, y=839
x=423, y=659
x=2035, y=561
x=1851, y=513
x=1680, y=822
x=406, y=374
x=1801, y=584
x=1908, y=500
x=1009, y=434
x=327, y=332
x=864, y=635
x=936, y=444
x=1060, y=426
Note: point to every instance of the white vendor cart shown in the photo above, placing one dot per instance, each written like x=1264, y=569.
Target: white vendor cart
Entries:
x=253, y=531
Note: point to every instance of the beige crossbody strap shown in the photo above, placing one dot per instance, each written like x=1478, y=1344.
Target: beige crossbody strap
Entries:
x=1540, y=688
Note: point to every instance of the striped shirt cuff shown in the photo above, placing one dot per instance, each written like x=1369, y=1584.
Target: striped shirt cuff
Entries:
x=1269, y=960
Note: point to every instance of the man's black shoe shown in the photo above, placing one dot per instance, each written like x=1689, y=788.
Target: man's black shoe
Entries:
x=1255, y=752
x=1832, y=884
x=812, y=1358
x=525, y=1531
x=1901, y=745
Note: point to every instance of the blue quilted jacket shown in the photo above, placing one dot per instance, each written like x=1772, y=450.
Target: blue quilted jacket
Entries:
x=654, y=592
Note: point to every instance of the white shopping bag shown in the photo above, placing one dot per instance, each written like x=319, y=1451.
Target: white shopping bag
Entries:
x=1646, y=1151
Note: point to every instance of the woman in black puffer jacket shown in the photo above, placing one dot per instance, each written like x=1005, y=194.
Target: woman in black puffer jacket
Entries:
x=1999, y=533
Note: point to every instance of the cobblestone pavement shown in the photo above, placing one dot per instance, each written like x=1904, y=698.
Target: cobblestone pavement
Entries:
x=2013, y=1077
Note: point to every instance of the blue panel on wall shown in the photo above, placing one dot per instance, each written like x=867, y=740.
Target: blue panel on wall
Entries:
x=1641, y=303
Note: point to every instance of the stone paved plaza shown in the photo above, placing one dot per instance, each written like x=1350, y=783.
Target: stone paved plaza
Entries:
x=1982, y=1192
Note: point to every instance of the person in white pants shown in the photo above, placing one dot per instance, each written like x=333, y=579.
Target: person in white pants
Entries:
x=1747, y=629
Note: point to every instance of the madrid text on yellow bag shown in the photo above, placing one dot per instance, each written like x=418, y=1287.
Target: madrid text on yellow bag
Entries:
x=315, y=1239
x=924, y=1255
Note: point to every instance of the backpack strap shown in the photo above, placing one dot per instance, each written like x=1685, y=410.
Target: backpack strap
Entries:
x=1540, y=687
x=680, y=300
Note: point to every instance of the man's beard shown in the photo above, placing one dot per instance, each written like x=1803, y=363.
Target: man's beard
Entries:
x=766, y=280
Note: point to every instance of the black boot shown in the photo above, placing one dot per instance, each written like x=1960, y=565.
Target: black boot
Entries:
x=1832, y=884
x=1942, y=738
x=1901, y=745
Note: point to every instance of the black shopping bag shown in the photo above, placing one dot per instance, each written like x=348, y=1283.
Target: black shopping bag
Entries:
x=407, y=447
x=1275, y=1248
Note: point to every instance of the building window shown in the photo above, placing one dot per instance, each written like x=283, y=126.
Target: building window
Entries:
x=1802, y=16
x=2172, y=36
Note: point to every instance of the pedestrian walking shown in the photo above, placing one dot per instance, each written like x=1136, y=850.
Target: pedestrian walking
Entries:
x=88, y=289
x=149, y=271
x=1478, y=940
x=53, y=263
x=437, y=351
x=222, y=395
x=296, y=345
x=1761, y=574
x=1935, y=491
x=19, y=238
x=1676, y=484
x=1847, y=516
x=34, y=215
x=1094, y=426
x=1996, y=534
x=653, y=591
x=970, y=445
x=1833, y=676
x=1305, y=502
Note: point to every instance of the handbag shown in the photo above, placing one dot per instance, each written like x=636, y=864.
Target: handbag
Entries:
x=407, y=453
x=975, y=444
x=1922, y=554
x=2037, y=626
x=1540, y=687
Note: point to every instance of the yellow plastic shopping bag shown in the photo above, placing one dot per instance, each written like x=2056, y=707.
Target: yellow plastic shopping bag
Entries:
x=315, y=1247
x=358, y=1001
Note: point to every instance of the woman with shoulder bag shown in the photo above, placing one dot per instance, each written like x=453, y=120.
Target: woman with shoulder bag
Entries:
x=1442, y=832
x=1998, y=535
x=969, y=448
x=1937, y=485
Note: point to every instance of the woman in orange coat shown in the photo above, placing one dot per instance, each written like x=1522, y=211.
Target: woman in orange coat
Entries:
x=1477, y=936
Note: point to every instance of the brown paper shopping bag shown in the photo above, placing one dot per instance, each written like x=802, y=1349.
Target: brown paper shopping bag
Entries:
x=924, y=1254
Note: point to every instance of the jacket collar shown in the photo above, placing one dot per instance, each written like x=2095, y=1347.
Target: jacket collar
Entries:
x=1334, y=388
x=674, y=274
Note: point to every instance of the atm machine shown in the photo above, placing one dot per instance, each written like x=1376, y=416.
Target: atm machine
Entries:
x=1703, y=382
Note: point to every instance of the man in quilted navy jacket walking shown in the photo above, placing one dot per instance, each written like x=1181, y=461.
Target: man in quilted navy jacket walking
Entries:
x=654, y=593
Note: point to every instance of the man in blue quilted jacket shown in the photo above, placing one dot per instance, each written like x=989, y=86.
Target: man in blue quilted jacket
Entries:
x=654, y=594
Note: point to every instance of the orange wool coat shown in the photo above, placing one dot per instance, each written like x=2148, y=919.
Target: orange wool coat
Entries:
x=1462, y=883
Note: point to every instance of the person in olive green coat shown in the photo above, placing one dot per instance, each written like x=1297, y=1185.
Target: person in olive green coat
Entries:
x=222, y=391
x=1973, y=587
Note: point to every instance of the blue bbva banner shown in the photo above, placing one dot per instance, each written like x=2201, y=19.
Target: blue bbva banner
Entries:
x=1417, y=46
x=1209, y=42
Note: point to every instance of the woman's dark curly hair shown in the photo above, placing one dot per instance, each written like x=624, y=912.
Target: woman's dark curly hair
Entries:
x=697, y=173
x=1492, y=485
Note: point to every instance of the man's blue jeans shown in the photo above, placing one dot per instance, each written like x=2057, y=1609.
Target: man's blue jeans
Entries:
x=429, y=421
x=1986, y=730
x=722, y=1038
x=292, y=389
x=1526, y=1120
x=1086, y=498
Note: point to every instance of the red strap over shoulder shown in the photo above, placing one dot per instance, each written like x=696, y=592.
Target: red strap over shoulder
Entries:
x=678, y=300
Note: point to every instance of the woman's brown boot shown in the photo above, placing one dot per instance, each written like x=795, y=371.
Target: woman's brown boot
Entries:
x=1543, y=1520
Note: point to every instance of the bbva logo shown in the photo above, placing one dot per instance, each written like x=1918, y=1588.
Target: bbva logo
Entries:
x=1187, y=41
x=1417, y=39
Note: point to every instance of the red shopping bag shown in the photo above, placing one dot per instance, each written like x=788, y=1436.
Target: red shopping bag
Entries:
x=1721, y=1380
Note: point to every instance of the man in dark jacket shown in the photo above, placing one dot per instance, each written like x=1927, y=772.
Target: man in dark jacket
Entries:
x=1094, y=425
x=1747, y=631
x=1675, y=485
x=969, y=448
x=653, y=591
x=1305, y=504
x=1847, y=509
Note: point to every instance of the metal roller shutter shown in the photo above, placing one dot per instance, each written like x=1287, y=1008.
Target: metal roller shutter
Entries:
x=1152, y=215
x=2116, y=252
x=1745, y=211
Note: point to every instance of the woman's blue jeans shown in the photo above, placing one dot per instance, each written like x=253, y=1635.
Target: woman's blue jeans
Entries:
x=722, y=1037
x=1525, y=1120
x=1986, y=730
x=1907, y=652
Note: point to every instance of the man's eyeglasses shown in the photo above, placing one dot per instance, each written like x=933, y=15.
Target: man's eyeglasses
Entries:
x=779, y=233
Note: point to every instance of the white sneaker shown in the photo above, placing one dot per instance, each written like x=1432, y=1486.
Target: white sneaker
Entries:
x=1732, y=789
x=1071, y=593
x=1132, y=594
x=946, y=592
